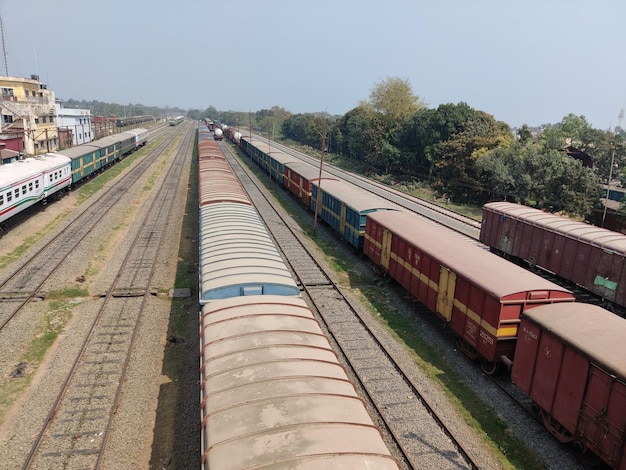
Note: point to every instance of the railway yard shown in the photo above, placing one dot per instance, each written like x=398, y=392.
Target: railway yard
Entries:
x=119, y=389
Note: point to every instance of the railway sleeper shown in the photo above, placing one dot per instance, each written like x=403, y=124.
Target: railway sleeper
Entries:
x=131, y=292
x=20, y=296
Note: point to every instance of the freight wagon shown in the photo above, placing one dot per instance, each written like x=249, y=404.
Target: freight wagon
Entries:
x=480, y=295
x=274, y=394
x=345, y=208
x=300, y=177
x=590, y=256
x=571, y=361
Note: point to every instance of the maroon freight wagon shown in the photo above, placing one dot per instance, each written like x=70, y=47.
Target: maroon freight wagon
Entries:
x=571, y=361
x=480, y=294
x=590, y=256
x=299, y=178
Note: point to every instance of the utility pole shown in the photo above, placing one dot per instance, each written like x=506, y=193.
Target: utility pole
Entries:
x=4, y=49
x=319, y=181
x=608, y=186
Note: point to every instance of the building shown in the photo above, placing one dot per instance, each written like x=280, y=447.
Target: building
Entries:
x=75, y=124
x=27, y=108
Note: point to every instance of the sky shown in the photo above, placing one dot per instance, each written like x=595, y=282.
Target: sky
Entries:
x=530, y=62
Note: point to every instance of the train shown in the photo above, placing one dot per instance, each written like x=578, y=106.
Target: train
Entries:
x=273, y=393
x=586, y=255
x=499, y=311
x=176, y=120
x=26, y=182
x=133, y=120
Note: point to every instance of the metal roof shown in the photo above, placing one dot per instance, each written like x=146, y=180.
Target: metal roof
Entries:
x=274, y=393
x=493, y=274
x=596, y=236
x=592, y=330
x=357, y=199
x=238, y=256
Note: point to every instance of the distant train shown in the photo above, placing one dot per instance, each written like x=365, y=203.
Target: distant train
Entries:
x=588, y=256
x=133, y=120
x=176, y=120
x=500, y=312
x=273, y=393
x=26, y=182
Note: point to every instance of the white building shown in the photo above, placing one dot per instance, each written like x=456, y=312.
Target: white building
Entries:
x=75, y=120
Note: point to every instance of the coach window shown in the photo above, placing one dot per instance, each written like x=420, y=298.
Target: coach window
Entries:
x=17, y=193
x=1, y=199
x=30, y=187
x=9, y=196
x=37, y=184
x=24, y=190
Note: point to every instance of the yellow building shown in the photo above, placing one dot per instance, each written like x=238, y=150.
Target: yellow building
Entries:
x=27, y=108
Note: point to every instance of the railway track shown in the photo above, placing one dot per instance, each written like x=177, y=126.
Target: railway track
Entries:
x=24, y=283
x=424, y=439
x=75, y=432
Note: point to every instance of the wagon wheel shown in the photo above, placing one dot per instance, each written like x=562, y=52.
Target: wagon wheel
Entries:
x=555, y=428
x=466, y=348
x=532, y=263
x=488, y=367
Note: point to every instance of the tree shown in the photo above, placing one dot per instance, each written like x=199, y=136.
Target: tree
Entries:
x=394, y=97
x=543, y=178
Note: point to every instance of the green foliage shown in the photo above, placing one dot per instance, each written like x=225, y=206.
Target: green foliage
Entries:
x=394, y=97
x=99, y=108
x=539, y=177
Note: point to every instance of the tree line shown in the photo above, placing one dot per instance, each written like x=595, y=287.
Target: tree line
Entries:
x=455, y=148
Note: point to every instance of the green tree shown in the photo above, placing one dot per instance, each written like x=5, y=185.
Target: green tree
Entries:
x=543, y=178
x=394, y=98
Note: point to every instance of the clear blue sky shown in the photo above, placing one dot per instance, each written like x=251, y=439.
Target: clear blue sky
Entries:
x=530, y=62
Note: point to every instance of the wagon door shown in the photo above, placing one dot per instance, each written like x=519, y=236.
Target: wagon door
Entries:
x=607, y=274
x=385, y=249
x=602, y=419
x=445, y=295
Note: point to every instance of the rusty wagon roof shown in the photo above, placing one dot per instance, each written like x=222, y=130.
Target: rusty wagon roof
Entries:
x=596, y=332
x=493, y=274
x=596, y=236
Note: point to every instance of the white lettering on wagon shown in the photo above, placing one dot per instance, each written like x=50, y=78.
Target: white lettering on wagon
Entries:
x=486, y=337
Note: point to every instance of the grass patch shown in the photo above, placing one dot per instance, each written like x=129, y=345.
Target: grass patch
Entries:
x=29, y=241
x=51, y=324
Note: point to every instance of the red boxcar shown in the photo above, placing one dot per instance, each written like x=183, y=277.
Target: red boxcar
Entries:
x=571, y=360
x=299, y=178
x=481, y=295
x=589, y=256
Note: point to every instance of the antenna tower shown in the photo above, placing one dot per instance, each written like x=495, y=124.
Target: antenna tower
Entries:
x=4, y=49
